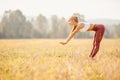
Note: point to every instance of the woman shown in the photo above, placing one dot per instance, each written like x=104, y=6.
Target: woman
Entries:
x=83, y=26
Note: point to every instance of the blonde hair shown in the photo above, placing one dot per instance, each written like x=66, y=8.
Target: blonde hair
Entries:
x=73, y=18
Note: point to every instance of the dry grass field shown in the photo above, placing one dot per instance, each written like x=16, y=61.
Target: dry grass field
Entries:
x=46, y=59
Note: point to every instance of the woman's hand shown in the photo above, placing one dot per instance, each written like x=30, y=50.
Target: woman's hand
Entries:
x=63, y=43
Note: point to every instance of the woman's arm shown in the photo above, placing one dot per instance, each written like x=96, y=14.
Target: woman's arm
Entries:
x=72, y=34
x=73, y=28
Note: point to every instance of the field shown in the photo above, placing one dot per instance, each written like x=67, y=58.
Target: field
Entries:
x=46, y=59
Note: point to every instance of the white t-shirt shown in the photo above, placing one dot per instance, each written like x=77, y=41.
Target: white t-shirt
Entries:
x=86, y=26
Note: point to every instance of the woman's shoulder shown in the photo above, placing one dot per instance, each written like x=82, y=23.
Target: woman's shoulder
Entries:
x=80, y=25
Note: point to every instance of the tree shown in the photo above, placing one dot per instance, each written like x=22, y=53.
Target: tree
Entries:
x=54, y=26
x=117, y=30
x=14, y=25
x=1, y=31
x=42, y=24
x=17, y=23
x=4, y=25
x=28, y=30
x=63, y=28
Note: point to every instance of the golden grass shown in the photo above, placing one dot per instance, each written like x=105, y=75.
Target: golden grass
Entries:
x=46, y=59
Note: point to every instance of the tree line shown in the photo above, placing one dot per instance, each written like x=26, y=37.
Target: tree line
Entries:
x=15, y=25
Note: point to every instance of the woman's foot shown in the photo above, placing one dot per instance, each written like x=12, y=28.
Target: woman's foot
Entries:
x=90, y=58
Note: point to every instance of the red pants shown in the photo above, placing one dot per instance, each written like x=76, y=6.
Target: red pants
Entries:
x=99, y=32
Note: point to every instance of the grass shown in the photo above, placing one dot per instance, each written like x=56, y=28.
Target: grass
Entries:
x=46, y=59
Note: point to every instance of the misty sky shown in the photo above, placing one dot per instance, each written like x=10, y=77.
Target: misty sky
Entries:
x=92, y=9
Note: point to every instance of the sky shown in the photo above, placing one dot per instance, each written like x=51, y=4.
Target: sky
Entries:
x=91, y=9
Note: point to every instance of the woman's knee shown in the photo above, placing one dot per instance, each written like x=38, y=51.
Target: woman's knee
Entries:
x=97, y=45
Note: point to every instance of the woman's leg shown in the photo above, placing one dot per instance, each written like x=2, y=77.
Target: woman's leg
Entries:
x=99, y=35
x=96, y=47
x=93, y=45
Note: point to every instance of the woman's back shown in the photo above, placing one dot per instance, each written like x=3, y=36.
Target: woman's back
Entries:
x=86, y=26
